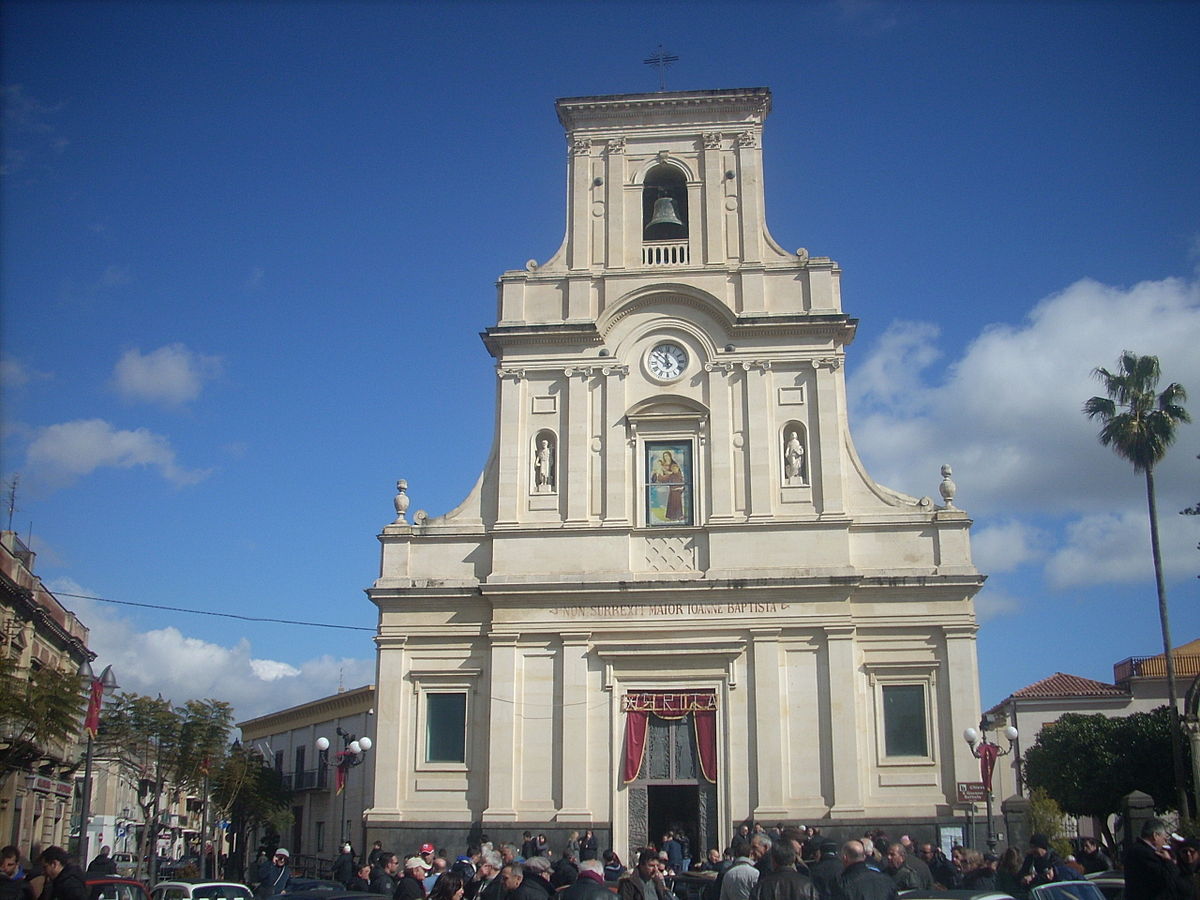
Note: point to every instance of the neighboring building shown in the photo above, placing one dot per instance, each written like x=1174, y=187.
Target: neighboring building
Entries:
x=1139, y=685
x=37, y=780
x=321, y=816
x=674, y=597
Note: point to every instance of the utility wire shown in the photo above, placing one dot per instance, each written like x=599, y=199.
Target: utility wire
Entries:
x=207, y=612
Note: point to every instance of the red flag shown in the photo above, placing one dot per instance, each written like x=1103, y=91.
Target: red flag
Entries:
x=95, y=697
x=987, y=761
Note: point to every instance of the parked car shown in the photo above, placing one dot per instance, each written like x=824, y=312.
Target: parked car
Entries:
x=303, y=885
x=110, y=887
x=340, y=894
x=1066, y=890
x=200, y=890
x=934, y=894
x=126, y=864
x=1111, y=883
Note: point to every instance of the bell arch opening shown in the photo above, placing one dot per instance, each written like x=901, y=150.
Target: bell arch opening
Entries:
x=664, y=204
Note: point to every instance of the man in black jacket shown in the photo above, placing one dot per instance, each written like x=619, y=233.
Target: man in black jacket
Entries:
x=383, y=875
x=589, y=885
x=1150, y=872
x=858, y=881
x=783, y=882
x=412, y=885
x=66, y=878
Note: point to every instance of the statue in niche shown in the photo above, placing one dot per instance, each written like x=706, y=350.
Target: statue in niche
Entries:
x=793, y=459
x=543, y=468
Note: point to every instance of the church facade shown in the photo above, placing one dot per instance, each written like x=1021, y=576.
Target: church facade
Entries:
x=674, y=597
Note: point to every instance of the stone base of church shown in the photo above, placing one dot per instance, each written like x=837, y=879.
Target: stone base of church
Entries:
x=405, y=838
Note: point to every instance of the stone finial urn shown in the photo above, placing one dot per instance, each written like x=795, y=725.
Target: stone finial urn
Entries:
x=401, y=502
x=947, y=488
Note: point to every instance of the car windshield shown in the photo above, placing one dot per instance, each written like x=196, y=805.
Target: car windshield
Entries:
x=220, y=892
x=1067, y=890
x=117, y=892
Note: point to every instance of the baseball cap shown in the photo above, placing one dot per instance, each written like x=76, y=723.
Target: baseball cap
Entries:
x=282, y=851
x=427, y=848
x=415, y=862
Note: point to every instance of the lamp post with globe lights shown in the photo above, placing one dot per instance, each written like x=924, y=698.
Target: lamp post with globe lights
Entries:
x=987, y=752
x=96, y=689
x=353, y=753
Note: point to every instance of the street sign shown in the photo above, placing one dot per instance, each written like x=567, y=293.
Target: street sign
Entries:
x=971, y=792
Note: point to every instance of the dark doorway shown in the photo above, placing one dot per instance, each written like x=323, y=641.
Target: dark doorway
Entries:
x=673, y=807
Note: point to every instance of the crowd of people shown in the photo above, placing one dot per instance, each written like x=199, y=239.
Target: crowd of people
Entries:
x=794, y=863
x=784, y=864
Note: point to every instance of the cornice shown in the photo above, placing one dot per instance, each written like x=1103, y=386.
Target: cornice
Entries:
x=345, y=703
x=582, y=112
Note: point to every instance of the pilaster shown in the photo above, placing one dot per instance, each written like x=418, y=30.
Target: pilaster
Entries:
x=576, y=739
x=845, y=750
x=502, y=731
x=769, y=711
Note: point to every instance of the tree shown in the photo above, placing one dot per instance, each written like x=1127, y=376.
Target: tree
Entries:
x=1087, y=764
x=251, y=795
x=166, y=745
x=40, y=709
x=1140, y=425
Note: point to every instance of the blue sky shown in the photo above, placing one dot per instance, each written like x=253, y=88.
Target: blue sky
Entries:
x=248, y=248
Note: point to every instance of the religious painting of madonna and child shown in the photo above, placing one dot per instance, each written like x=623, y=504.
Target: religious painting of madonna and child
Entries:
x=668, y=483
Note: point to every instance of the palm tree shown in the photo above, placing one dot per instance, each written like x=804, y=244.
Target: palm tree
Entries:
x=1140, y=425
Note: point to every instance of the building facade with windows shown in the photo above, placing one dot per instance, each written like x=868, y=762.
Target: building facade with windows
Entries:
x=674, y=597
x=37, y=776
x=326, y=810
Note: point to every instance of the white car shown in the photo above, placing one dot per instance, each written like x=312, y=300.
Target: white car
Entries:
x=201, y=890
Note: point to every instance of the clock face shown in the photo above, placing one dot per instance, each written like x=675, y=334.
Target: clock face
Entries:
x=667, y=361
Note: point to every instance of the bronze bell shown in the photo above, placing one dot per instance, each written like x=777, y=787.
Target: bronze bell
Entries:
x=664, y=213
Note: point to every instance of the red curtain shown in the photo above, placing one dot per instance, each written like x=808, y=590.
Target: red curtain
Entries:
x=640, y=706
x=706, y=743
x=635, y=743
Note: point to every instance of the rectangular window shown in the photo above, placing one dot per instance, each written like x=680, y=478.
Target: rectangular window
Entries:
x=299, y=762
x=669, y=483
x=446, y=728
x=320, y=836
x=279, y=761
x=904, y=720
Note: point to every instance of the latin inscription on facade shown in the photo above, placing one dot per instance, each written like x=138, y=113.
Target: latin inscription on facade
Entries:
x=626, y=610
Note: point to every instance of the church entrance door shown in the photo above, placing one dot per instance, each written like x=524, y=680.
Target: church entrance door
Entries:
x=670, y=792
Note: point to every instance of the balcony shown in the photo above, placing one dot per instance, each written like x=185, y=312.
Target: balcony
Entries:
x=307, y=779
x=1187, y=665
x=665, y=253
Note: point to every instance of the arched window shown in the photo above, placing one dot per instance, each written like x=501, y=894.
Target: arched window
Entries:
x=664, y=204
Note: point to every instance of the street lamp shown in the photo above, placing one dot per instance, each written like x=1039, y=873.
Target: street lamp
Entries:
x=987, y=752
x=353, y=753
x=96, y=689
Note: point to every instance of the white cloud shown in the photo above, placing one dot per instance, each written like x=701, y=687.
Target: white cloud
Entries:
x=1007, y=413
x=992, y=603
x=61, y=453
x=170, y=375
x=166, y=661
x=272, y=670
x=1008, y=545
x=255, y=279
x=1101, y=549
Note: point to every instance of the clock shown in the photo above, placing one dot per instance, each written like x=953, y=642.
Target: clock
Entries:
x=667, y=361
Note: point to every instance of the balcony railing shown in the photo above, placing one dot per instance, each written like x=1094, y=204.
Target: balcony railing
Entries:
x=307, y=779
x=665, y=253
x=1186, y=665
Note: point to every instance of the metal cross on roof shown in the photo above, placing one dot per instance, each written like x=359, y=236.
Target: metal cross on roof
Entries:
x=661, y=59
